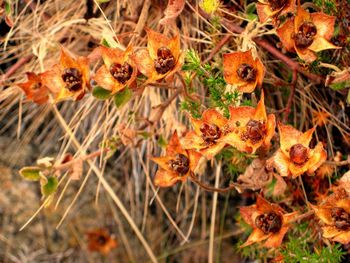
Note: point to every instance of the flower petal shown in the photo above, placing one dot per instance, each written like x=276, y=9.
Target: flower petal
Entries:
x=256, y=236
x=320, y=44
x=212, y=150
x=174, y=147
x=194, y=157
x=317, y=156
x=163, y=162
x=323, y=213
x=157, y=40
x=288, y=137
x=212, y=116
x=276, y=239
x=234, y=139
x=285, y=33
x=281, y=163
x=301, y=17
x=166, y=179
x=247, y=212
x=193, y=141
x=106, y=80
x=306, y=54
x=324, y=24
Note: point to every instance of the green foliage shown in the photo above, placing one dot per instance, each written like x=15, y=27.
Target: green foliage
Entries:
x=219, y=96
x=250, y=11
x=122, y=97
x=49, y=186
x=30, y=173
x=192, y=107
x=101, y=93
x=301, y=247
x=327, y=6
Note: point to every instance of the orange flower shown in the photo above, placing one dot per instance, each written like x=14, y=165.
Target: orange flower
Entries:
x=307, y=34
x=269, y=222
x=250, y=128
x=176, y=165
x=274, y=8
x=206, y=134
x=100, y=241
x=162, y=58
x=294, y=156
x=69, y=78
x=34, y=89
x=335, y=217
x=118, y=71
x=241, y=69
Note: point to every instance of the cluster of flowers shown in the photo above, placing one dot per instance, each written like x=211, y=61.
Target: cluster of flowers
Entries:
x=70, y=78
x=248, y=129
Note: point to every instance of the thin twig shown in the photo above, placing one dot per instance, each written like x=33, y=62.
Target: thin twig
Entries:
x=291, y=95
x=210, y=188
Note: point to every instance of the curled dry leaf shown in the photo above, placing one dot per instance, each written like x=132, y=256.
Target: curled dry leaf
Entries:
x=172, y=11
x=257, y=176
x=101, y=241
x=126, y=135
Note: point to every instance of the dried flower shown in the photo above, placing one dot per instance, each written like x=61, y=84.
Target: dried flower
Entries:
x=99, y=240
x=250, y=128
x=269, y=222
x=206, y=134
x=69, y=78
x=335, y=216
x=34, y=88
x=294, y=156
x=176, y=165
x=307, y=34
x=244, y=71
x=274, y=8
x=119, y=69
x=162, y=58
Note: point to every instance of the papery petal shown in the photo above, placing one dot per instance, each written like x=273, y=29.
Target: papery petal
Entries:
x=264, y=12
x=301, y=17
x=317, y=156
x=344, y=203
x=106, y=80
x=256, y=236
x=306, y=54
x=174, y=147
x=320, y=44
x=260, y=72
x=248, y=87
x=323, y=213
x=247, y=212
x=264, y=206
x=234, y=139
x=212, y=116
x=270, y=130
x=343, y=238
x=305, y=138
x=288, y=137
x=212, y=150
x=260, y=112
x=53, y=80
x=330, y=232
x=193, y=141
x=324, y=24
x=67, y=60
x=241, y=115
x=285, y=33
x=166, y=179
x=194, y=157
x=275, y=240
x=287, y=218
x=34, y=89
x=163, y=162
x=144, y=62
x=281, y=163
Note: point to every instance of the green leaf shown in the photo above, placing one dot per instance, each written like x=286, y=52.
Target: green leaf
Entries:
x=101, y=93
x=30, y=173
x=102, y=1
x=50, y=186
x=340, y=85
x=161, y=141
x=250, y=9
x=105, y=43
x=7, y=8
x=348, y=97
x=122, y=97
x=209, y=6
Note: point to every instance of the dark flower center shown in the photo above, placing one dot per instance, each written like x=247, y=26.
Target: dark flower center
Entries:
x=269, y=222
x=121, y=72
x=36, y=85
x=210, y=132
x=305, y=36
x=255, y=131
x=101, y=240
x=341, y=218
x=181, y=164
x=165, y=60
x=246, y=72
x=277, y=4
x=73, y=79
x=298, y=153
